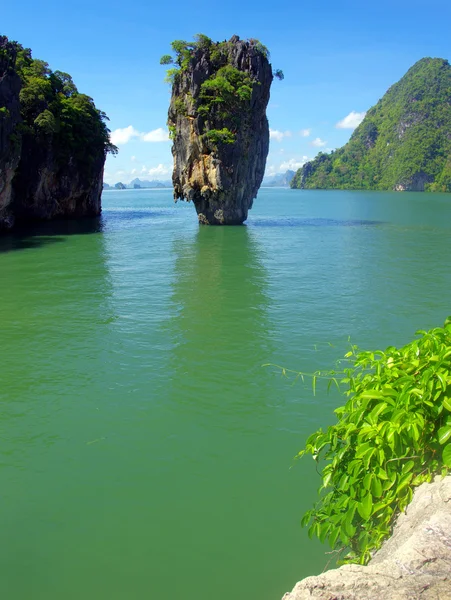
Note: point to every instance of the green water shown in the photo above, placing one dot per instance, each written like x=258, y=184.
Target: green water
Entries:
x=145, y=452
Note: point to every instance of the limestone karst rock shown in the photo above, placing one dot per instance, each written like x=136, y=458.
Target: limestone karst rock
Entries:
x=10, y=144
x=53, y=142
x=217, y=120
x=415, y=562
x=402, y=144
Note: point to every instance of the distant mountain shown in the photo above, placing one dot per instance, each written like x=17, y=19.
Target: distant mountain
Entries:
x=106, y=186
x=120, y=186
x=403, y=143
x=144, y=183
x=280, y=180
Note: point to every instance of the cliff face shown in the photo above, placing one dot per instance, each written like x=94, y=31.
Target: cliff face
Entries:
x=10, y=144
x=217, y=118
x=414, y=563
x=403, y=143
x=46, y=189
x=53, y=142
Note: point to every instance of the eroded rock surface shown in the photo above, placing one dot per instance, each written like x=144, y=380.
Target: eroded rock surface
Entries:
x=10, y=143
x=220, y=178
x=414, y=564
x=53, y=142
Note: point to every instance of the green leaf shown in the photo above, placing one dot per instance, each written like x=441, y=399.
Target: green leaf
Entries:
x=323, y=530
x=372, y=394
x=444, y=433
x=365, y=507
x=367, y=481
x=333, y=537
x=349, y=527
x=408, y=466
x=306, y=518
x=446, y=456
x=447, y=403
x=378, y=409
x=363, y=449
x=376, y=487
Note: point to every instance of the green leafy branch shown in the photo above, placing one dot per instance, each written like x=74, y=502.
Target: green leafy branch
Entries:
x=393, y=434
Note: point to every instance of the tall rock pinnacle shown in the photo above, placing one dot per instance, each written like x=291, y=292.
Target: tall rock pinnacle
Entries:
x=217, y=121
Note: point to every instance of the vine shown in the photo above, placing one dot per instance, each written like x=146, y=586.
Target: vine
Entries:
x=393, y=434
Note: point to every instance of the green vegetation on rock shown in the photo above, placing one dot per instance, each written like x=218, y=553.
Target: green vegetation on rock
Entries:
x=51, y=105
x=404, y=142
x=393, y=434
x=227, y=91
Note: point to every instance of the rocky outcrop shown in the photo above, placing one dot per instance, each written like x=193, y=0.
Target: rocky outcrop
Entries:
x=414, y=564
x=416, y=183
x=10, y=142
x=47, y=188
x=220, y=152
x=53, y=142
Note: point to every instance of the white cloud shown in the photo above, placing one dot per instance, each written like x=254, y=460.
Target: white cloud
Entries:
x=123, y=135
x=293, y=164
x=157, y=135
x=305, y=132
x=270, y=170
x=279, y=135
x=351, y=121
x=159, y=171
x=133, y=158
x=318, y=143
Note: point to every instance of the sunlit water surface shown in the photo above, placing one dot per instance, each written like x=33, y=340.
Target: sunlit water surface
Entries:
x=145, y=450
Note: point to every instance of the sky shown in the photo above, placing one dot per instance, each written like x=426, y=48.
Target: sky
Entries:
x=338, y=59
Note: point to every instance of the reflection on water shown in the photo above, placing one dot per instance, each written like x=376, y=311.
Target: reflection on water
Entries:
x=220, y=321
x=140, y=436
x=43, y=233
x=311, y=222
x=57, y=314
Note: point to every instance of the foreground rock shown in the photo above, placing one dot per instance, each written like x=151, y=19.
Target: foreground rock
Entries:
x=217, y=118
x=53, y=142
x=415, y=563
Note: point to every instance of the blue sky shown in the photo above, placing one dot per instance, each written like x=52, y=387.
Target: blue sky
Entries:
x=338, y=58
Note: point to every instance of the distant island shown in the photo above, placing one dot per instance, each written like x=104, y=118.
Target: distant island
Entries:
x=279, y=180
x=404, y=142
x=138, y=184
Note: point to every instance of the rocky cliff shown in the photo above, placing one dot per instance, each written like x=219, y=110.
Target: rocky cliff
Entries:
x=413, y=564
x=53, y=142
x=46, y=188
x=217, y=119
x=403, y=143
x=10, y=142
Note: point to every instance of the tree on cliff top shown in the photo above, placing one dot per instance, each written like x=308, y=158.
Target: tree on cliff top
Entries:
x=52, y=106
x=228, y=88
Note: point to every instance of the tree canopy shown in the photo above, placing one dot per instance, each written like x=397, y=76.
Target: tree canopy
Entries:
x=52, y=106
x=403, y=141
